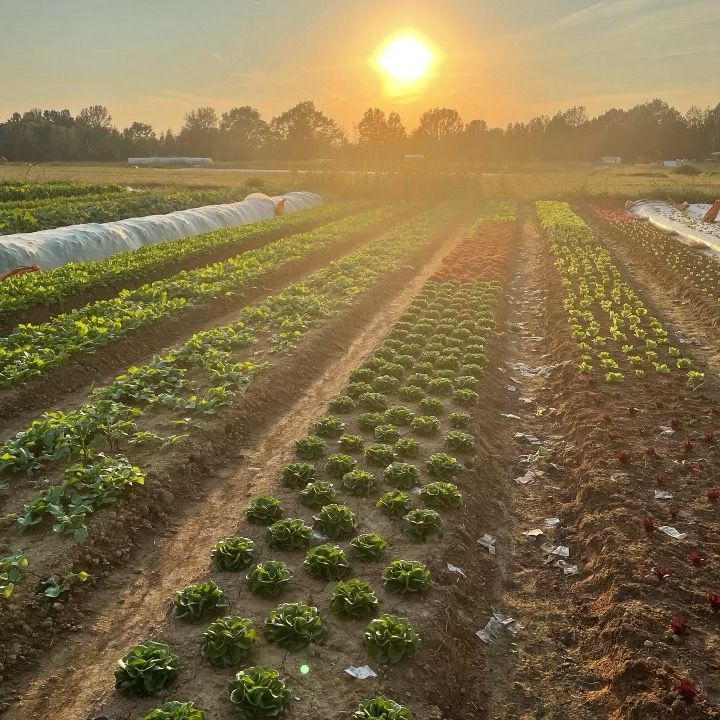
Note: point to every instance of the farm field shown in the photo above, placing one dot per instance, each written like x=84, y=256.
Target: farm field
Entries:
x=466, y=446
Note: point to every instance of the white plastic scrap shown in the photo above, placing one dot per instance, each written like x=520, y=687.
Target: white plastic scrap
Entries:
x=567, y=568
x=319, y=536
x=488, y=541
x=672, y=532
x=534, y=534
x=530, y=438
x=662, y=495
x=511, y=416
x=495, y=625
x=361, y=673
x=529, y=477
x=665, y=430
x=551, y=522
x=455, y=569
x=560, y=550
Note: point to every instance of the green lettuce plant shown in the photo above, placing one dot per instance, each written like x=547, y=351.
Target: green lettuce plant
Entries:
x=359, y=482
x=394, y=504
x=402, y=475
x=294, y=626
x=147, y=668
x=369, y=547
x=442, y=466
x=380, y=455
x=327, y=562
x=269, y=578
x=198, y=601
x=441, y=495
x=264, y=510
x=335, y=521
x=406, y=577
x=311, y=447
x=228, y=641
x=354, y=599
x=423, y=524
x=259, y=692
x=175, y=710
x=233, y=553
x=289, y=534
x=297, y=474
x=381, y=708
x=389, y=639
x=407, y=448
x=338, y=465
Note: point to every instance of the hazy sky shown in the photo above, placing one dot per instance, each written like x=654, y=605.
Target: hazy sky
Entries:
x=502, y=60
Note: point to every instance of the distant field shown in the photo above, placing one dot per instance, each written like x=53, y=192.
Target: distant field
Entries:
x=525, y=180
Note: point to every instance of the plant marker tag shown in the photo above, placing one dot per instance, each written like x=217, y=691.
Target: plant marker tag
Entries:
x=456, y=570
x=672, y=532
x=488, y=541
x=361, y=673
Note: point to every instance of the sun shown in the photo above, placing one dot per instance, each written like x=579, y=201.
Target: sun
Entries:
x=405, y=59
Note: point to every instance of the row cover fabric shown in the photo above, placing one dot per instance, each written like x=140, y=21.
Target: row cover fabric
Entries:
x=95, y=241
x=688, y=224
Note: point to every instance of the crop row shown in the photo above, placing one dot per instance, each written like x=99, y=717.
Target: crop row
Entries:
x=31, y=350
x=380, y=474
x=483, y=253
x=689, y=267
x=616, y=335
x=100, y=208
x=32, y=289
x=186, y=383
x=33, y=190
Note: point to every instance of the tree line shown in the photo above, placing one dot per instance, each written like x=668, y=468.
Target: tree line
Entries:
x=647, y=132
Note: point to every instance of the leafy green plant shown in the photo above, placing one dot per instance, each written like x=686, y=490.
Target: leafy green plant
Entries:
x=297, y=474
x=359, y=482
x=356, y=389
x=338, y=465
x=380, y=455
x=425, y=425
x=441, y=465
x=294, y=626
x=327, y=562
x=228, y=641
x=341, y=404
x=12, y=568
x=406, y=577
x=269, y=578
x=395, y=504
x=459, y=441
x=407, y=448
x=423, y=524
x=385, y=384
x=441, y=495
x=318, y=493
x=460, y=420
x=354, y=599
x=311, y=447
x=389, y=639
x=431, y=406
x=373, y=401
x=335, y=521
x=398, y=415
x=198, y=601
x=329, y=427
x=175, y=710
x=54, y=586
x=439, y=386
x=369, y=421
x=387, y=433
x=147, y=668
x=381, y=708
x=233, y=553
x=402, y=475
x=362, y=374
x=289, y=534
x=351, y=443
x=369, y=547
x=259, y=692
x=465, y=382
x=465, y=396
x=411, y=393
x=264, y=510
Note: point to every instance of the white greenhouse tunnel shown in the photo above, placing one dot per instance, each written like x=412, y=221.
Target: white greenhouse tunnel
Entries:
x=688, y=223
x=95, y=241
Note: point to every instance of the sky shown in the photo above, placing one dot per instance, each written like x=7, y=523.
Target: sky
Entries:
x=500, y=60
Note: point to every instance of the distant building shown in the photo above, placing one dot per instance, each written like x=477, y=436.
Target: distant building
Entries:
x=611, y=160
x=186, y=161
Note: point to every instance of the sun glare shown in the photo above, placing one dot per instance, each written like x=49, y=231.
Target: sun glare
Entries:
x=405, y=59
